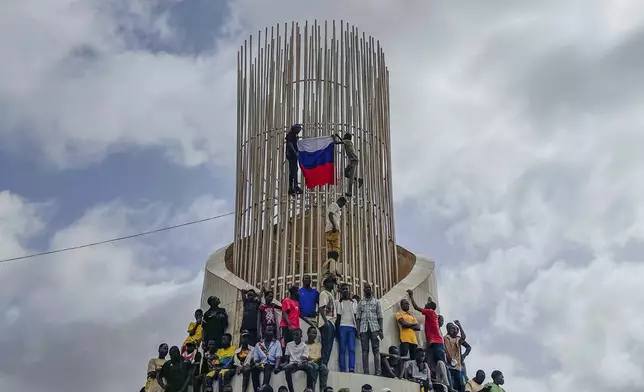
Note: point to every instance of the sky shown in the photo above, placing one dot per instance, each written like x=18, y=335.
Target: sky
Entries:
x=515, y=128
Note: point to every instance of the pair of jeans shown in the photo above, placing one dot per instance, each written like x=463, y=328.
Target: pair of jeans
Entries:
x=347, y=345
x=322, y=373
x=266, y=369
x=365, y=339
x=311, y=374
x=328, y=336
x=435, y=353
x=457, y=380
x=408, y=349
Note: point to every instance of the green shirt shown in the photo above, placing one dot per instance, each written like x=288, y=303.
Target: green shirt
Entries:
x=495, y=387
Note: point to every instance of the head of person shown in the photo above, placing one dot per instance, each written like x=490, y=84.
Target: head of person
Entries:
x=306, y=281
x=226, y=340
x=341, y=201
x=430, y=304
x=282, y=389
x=269, y=332
x=441, y=321
x=212, y=345
x=294, y=292
x=480, y=376
x=366, y=388
x=199, y=315
x=312, y=334
x=419, y=355
x=163, y=350
x=297, y=335
x=356, y=297
x=393, y=350
x=175, y=354
x=347, y=136
x=244, y=337
x=328, y=389
x=368, y=290
x=251, y=295
x=344, y=291
x=308, y=390
x=329, y=283
x=452, y=330
x=497, y=377
x=213, y=301
x=190, y=347
x=227, y=388
x=404, y=305
x=266, y=388
x=269, y=296
x=296, y=128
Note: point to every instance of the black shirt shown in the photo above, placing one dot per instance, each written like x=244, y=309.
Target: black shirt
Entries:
x=175, y=374
x=251, y=315
x=291, y=138
x=214, y=327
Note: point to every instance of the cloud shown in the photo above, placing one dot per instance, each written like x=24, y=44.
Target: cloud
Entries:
x=103, y=301
x=516, y=136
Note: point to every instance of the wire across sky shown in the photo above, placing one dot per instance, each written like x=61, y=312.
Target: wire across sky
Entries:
x=127, y=237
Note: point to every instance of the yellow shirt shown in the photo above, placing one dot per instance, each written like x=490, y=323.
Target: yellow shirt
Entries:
x=196, y=338
x=473, y=386
x=315, y=351
x=407, y=335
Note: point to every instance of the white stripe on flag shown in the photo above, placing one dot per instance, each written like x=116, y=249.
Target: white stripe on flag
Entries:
x=314, y=143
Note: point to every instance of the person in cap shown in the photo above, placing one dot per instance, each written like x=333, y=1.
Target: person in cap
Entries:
x=292, y=153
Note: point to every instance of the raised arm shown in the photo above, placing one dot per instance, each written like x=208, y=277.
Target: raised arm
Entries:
x=463, y=335
x=413, y=302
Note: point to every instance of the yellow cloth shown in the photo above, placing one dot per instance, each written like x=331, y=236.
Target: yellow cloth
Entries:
x=407, y=335
x=196, y=338
x=151, y=384
x=333, y=241
x=473, y=386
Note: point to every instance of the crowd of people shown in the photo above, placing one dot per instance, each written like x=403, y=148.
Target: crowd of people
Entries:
x=273, y=340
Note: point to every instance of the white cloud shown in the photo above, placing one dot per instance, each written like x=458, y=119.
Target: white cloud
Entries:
x=517, y=123
x=122, y=288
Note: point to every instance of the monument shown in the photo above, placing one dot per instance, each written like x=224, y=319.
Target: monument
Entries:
x=330, y=78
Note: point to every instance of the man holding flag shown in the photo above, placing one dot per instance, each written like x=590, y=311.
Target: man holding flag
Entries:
x=352, y=167
x=292, y=155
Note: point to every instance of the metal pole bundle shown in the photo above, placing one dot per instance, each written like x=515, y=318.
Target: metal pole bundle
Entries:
x=329, y=78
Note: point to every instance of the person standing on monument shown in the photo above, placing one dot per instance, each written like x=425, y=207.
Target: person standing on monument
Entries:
x=292, y=158
x=351, y=170
x=332, y=229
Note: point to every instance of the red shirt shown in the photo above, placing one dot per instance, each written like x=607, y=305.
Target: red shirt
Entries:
x=432, y=332
x=293, y=315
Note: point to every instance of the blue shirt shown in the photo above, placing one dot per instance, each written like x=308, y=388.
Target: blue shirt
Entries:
x=308, y=302
x=267, y=354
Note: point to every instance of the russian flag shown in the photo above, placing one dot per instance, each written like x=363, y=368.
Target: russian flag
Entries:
x=316, y=160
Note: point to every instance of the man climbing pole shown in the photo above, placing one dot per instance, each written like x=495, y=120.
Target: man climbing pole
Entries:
x=352, y=167
x=332, y=229
x=292, y=158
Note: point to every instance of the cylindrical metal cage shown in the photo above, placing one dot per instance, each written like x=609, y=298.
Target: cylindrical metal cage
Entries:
x=329, y=79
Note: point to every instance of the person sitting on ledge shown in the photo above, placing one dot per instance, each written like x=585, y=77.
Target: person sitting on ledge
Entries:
x=266, y=357
x=315, y=358
x=224, y=363
x=298, y=359
x=195, y=331
x=495, y=385
x=476, y=383
x=175, y=374
x=191, y=351
x=391, y=363
x=243, y=359
x=417, y=370
x=154, y=366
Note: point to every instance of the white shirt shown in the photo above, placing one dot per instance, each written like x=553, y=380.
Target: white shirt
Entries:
x=347, y=311
x=412, y=368
x=326, y=299
x=335, y=210
x=296, y=352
